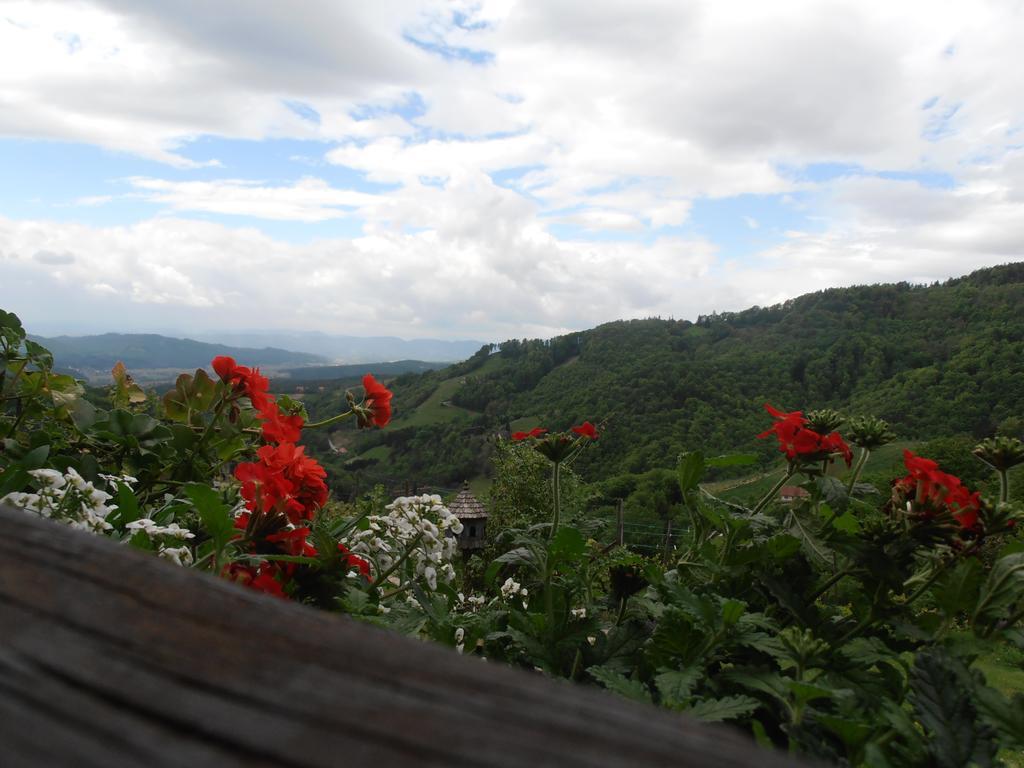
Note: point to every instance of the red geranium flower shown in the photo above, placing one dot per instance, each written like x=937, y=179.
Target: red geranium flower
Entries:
x=535, y=432
x=799, y=442
x=354, y=561
x=935, y=491
x=224, y=366
x=376, y=401
x=586, y=429
x=261, y=578
x=284, y=479
x=278, y=428
x=246, y=381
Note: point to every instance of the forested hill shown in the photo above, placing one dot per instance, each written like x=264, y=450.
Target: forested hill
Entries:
x=932, y=360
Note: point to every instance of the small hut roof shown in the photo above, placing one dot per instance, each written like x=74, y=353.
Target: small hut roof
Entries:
x=466, y=505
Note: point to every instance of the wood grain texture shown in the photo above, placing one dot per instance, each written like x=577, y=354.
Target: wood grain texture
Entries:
x=112, y=657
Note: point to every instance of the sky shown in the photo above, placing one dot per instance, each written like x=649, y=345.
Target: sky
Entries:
x=490, y=170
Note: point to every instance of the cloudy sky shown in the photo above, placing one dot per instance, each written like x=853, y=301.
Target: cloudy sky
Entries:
x=494, y=169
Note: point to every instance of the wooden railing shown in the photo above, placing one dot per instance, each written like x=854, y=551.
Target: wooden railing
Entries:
x=111, y=657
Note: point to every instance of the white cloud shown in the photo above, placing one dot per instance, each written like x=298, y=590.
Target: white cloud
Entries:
x=617, y=117
x=308, y=199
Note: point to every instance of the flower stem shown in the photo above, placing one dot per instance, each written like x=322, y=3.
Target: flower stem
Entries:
x=328, y=422
x=832, y=581
x=775, y=489
x=1004, y=486
x=556, y=493
x=394, y=566
x=857, y=469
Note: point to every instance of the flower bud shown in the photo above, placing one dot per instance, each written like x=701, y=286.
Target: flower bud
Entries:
x=869, y=432
x=824, y=421
x=1000, y=453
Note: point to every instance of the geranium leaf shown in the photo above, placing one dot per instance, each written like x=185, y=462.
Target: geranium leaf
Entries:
x=616, y=681
x=727, y=708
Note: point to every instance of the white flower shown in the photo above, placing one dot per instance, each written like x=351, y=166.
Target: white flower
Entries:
x=579, y=613
x=48, y=478
x=460, y=634
x=177, y=555
x=142, y=524
x=510, y=588
x=410, y=532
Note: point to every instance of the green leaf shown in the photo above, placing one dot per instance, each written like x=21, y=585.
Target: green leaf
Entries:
x=127, y=505
x=727, y=708
x=853, y=732
x=41, y=355
x=690, y=470
x=806, y=692
x=1005, y=715
x=782, y=546
x=940, y=696
x=957, y=590
x=732, y=610
x=83, y=414
x=833, y=492
x=1003, y=588
x=732, y=460
x=36, y=458
x=568, y=543
x=675, y=686
x=214, y=514
x=619, y=683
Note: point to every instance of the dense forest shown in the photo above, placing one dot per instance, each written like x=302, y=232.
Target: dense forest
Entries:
x=941, y=359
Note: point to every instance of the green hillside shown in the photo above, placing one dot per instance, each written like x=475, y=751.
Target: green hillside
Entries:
x=932, y=360
x=356, y=371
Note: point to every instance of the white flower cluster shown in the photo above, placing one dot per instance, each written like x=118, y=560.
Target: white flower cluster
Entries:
x=180, y=555
x=511, y=588
x=415, y=529
x=66, y=497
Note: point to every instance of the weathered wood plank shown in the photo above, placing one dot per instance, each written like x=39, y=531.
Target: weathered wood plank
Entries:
x=111, y=657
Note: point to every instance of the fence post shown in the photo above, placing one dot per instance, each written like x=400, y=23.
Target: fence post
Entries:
x=620, y=536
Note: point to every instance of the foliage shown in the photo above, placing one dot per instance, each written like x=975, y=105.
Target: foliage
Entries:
x=839, y=625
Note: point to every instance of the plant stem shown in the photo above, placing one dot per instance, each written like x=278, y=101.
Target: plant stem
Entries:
x=556, y=493
x=1004, y=486
x=831, y=582
x=775, y=489
x=394, y=566
x=857, y=469
x=328, y=422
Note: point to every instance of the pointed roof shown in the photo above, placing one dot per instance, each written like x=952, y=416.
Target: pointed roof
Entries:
x=466, y=505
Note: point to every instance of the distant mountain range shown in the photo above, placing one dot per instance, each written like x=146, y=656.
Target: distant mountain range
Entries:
x=351, y=349
x=307, y=356
x=94, y=356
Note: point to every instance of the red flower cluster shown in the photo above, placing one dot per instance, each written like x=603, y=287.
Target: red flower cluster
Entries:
x=935, y=491
x=283, y=480
x=802, y=444
x=260, y=577
x=586, y=429
x=248, y=382
x=284, y=487
x=535, y=432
